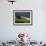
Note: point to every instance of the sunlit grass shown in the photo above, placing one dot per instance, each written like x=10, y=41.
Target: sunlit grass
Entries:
x=22, y=20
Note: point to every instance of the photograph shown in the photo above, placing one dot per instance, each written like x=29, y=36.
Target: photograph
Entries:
x=22, y=16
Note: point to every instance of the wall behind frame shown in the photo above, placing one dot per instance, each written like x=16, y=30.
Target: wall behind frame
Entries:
x=38, y=30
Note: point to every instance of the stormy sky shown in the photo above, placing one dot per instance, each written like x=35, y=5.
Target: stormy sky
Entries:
x=25, y=14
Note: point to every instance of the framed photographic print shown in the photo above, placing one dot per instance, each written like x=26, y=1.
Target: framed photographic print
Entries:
x=22, y=17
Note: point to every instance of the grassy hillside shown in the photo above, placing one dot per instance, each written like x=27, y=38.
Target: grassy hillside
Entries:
x=22, y=20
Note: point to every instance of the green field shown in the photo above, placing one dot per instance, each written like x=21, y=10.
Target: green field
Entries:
x=22, y=20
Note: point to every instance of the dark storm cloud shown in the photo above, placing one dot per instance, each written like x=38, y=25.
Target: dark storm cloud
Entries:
x=25, y=14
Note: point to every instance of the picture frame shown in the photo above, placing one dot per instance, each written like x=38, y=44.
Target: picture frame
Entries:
x=22, y=17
